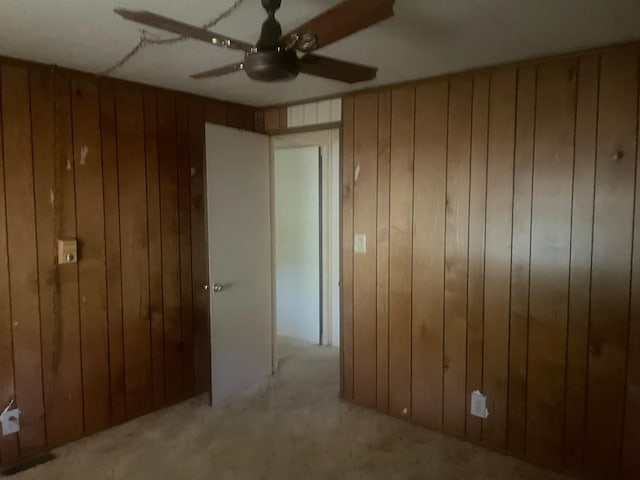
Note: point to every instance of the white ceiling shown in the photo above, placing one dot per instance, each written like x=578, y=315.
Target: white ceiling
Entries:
x=425, y=38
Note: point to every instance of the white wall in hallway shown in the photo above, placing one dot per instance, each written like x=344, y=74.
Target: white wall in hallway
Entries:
x=329, y=142
x=297, y=242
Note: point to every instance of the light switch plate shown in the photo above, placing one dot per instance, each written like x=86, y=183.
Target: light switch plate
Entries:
x=360, y=243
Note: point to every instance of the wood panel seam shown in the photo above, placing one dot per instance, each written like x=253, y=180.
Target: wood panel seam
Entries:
x=117, y=183
x=389, y=252
x=484, y=266
x=533, y=166
x=595, y=190
x=444, y=258
x=411, y=411
x=106, y=266
x=75, y=199
x=569, y=276
x=466, y=341
x=513, y=183
x=633, y=252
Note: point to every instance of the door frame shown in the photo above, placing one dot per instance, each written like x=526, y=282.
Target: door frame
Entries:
x=329, y=142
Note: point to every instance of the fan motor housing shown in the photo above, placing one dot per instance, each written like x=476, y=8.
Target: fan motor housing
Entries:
x=272, y=66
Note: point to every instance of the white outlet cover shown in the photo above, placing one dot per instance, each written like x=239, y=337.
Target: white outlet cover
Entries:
x=360, y=243
x=10, y=421
x=479, y=405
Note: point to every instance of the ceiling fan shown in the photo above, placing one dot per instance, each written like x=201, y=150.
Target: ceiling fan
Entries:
x=275, y=56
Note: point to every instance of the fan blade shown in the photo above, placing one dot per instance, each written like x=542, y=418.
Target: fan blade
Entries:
x=218, y=72
x=163, y=23
x=336, y=69
x=343, y=20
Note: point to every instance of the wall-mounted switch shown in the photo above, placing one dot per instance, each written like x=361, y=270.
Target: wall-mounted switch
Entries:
x=67, y=251
x=360, y=243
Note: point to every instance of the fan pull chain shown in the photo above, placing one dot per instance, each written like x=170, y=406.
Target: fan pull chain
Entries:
x=145, y=40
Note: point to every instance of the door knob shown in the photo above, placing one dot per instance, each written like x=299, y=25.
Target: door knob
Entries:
x=206, y=287
x=217, y=287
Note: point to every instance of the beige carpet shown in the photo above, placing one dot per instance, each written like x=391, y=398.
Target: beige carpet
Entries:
x=294, y=429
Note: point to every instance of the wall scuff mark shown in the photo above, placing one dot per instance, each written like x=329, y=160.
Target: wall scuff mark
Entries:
x=84, y=151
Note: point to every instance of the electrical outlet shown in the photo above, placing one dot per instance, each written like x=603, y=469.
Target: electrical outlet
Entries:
x=479, y=405
x=10, y=421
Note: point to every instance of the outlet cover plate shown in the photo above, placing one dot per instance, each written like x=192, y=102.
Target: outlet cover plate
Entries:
x=479, y=405
x=10, y=421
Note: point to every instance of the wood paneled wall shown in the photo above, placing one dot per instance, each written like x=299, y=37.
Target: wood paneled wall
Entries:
x=124, y=331
x=503, y=254
x=299, y=117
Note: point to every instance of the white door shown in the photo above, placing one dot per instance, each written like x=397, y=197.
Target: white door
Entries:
x=297, y=242
x=239, y=225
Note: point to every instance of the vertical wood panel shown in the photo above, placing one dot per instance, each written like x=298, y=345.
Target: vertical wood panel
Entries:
x=456, y=256
x=324, y=111
x=22, y=251
x=61, y=360
x=9, y=450
x=612, y=239
x=429, y=204
x=44, y=181
x=521, y=254
x=155, y=247
x=112, y=253
x=346, y=335
x=364, y=264
x=498, y=254
x=199, y=250
x=259, y=121
x=631, y=439
x=550, y=258
x=477, y=215
x=186, y=287
x=170, y=245
x=400, y=249
x=310, y=113
x=382, y=293
x=283, y=116
x=134, y=250
x=580, y=274
x=272, y=120
x=91, y=254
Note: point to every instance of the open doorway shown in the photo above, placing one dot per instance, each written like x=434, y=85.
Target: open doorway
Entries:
x=297, y=201
x=305, y=233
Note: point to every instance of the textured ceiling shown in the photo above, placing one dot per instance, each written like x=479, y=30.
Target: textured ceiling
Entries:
x=425, y=38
